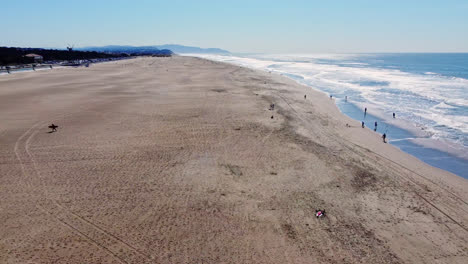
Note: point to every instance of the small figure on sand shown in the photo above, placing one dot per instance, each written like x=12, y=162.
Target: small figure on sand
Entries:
x=320, y=213
x=271, y=117
x=365, y=111
x=362, y=124
x=375, y=126
x=53, y=127
x=272, y=107
x=305, y=96
x=393, y=115
x=384, y=137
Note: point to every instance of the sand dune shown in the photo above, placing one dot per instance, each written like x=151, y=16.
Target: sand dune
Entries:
x=177, y=160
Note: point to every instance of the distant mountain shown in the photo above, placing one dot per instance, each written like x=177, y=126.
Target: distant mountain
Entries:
x=187, y=49
x=154, y=49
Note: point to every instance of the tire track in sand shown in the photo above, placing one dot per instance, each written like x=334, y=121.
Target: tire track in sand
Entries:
x=116, y=247
x=415, y=184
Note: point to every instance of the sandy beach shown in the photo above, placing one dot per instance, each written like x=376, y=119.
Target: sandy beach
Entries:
x=180, y=160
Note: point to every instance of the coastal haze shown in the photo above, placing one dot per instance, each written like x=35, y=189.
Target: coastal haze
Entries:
x=180, y=160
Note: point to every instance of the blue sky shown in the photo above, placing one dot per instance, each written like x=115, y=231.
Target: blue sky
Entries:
x=292, y=26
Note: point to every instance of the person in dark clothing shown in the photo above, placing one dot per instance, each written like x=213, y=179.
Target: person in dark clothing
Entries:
x=53, y=127
x=384, y=137
x=365, y=111
x=393, y=115
x=362, y=124
x=375, y=126
x=305, y=96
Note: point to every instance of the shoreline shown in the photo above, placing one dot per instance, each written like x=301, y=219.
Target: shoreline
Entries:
x=409, y=139
x=409, y=142
x=180, y=160
x=356, y=121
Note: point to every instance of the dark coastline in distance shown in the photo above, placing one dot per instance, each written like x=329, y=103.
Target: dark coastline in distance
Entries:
x=172, y=47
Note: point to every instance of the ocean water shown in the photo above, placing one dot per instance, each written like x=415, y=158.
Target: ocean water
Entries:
x=428, y=92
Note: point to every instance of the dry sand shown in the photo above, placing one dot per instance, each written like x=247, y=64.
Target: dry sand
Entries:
x=177, y=160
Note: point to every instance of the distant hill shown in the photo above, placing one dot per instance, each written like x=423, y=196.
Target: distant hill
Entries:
x=173, y=48
x=187, y=49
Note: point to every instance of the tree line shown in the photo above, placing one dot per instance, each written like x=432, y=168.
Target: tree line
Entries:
x=14, y=56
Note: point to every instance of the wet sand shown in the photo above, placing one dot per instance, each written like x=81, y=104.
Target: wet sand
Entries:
x=414, y=140
x=177, y=160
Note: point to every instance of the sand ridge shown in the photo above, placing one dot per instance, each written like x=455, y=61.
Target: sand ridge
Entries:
x=177, y=160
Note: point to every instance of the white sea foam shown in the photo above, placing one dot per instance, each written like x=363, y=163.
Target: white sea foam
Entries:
x=443, y=105
x=428, y=100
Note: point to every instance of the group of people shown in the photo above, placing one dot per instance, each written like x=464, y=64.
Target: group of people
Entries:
x=384, y=136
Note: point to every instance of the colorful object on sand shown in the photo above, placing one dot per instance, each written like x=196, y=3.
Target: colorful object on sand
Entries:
x=319, y=213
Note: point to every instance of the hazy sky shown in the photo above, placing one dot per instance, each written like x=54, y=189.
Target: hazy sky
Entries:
x=283, y=26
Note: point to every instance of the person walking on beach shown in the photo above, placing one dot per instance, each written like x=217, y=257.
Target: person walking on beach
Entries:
x=365, y=111
x=305, y=96
x=393, y=115
x=375, y=126
x=384, y=137
x=362, y=124
x=53, y=127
